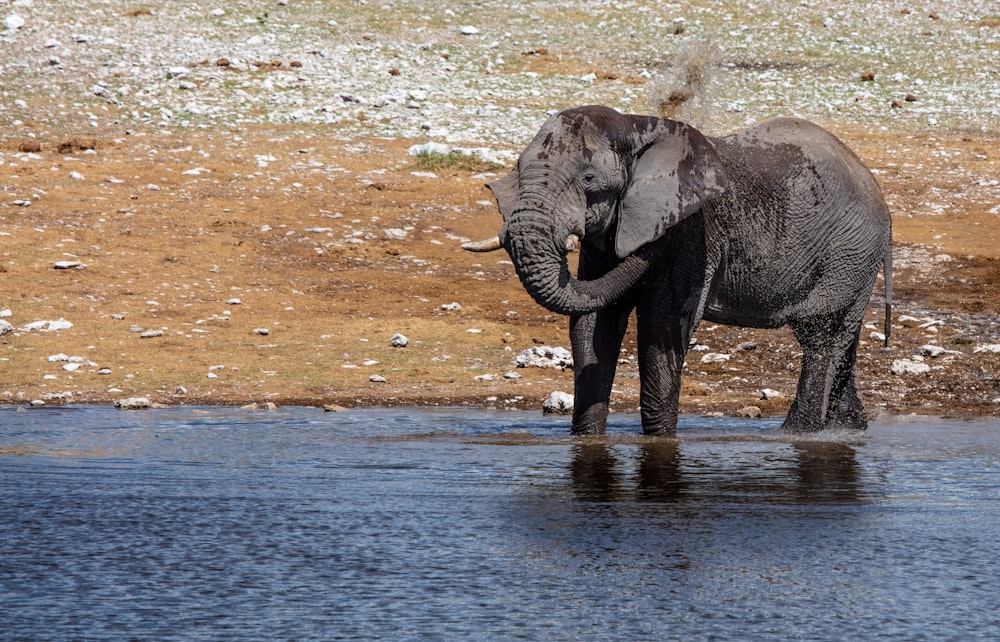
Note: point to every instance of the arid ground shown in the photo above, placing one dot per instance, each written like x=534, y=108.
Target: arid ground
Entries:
x=279, y=259
x=171, y=240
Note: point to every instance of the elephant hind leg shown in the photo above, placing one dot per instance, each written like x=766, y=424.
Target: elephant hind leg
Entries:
x=826, y=396
x=846, y=411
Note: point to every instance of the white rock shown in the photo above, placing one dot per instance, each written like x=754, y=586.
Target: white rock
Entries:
x=544, y=357
x=58, y=358
x=512, y=375
x=991, y=347
x=768, y=393
x=72, y=367
x=558, y=403
x=714, y=357
x=48, y=326
x=428, y=148
x=377, y=379
x=233, y=301
x=451, y=306
x=262, y=331
x=5, y=313
x=5, y=327
x=177, y=72
x=934, y=351
x=218, y=13
x=469, y=30
x=394, y=234
x=484, y=377
x=149, y=334
x=13, y=22
x=907, y=367
x=399, y=341
x=134, y=403
x=67, y=265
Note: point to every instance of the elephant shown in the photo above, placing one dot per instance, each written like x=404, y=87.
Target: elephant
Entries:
x=780, y=224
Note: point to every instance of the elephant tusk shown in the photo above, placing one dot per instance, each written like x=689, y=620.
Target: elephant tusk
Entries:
x=572, y=243
x=486, y=245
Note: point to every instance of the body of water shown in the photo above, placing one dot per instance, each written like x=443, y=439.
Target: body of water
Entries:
x=406, y=524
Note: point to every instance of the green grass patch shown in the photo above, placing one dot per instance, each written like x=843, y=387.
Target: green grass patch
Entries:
x=437, y=161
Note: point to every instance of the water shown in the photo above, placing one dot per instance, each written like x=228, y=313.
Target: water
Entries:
x=220, y=524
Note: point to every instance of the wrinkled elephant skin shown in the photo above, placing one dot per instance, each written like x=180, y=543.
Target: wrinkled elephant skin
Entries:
x=780, y=224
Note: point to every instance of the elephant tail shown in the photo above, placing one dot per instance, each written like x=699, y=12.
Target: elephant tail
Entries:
x=887, y=266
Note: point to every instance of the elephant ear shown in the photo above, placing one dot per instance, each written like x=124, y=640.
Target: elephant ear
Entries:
x=673, y=175
x=505, y=192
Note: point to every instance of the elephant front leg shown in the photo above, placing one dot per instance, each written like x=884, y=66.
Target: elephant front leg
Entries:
x=663, y=343
x=596, y=339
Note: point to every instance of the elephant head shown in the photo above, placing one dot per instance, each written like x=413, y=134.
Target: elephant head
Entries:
x=616, y=182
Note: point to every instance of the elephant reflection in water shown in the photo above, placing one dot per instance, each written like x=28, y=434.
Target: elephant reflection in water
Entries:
x=820, y=473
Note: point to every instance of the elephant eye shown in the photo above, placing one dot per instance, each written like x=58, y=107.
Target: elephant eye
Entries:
x=588, y=178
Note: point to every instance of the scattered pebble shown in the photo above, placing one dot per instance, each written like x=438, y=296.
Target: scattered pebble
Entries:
x=67, y=265
x=399, y=341
x=149, y=334
x=377, y=379
x=768, y=393
x=262, y=331
x=753, y=412
x=134, y=403
x=13, y=22
x=48, y=326
x=714, y=357
x=902, y=367
x=558, y=403
x=544, y=357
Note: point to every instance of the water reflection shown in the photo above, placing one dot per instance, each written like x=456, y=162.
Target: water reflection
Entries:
x=828, y=473
x=663, y=471
x=197, y=524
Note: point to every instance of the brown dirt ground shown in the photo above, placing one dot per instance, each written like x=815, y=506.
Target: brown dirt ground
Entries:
x=170, y=258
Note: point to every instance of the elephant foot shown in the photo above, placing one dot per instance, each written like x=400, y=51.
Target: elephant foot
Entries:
x=664, y=425
x=799, y=423
x=856, y=420
x=592, y=421
x=579, y=431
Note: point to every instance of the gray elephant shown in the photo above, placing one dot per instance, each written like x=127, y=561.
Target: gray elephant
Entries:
x=780, y=224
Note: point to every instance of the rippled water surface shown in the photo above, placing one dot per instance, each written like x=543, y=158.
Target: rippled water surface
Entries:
x=213, y=523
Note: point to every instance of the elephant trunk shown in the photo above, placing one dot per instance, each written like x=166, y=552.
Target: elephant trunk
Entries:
x=539, y=258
